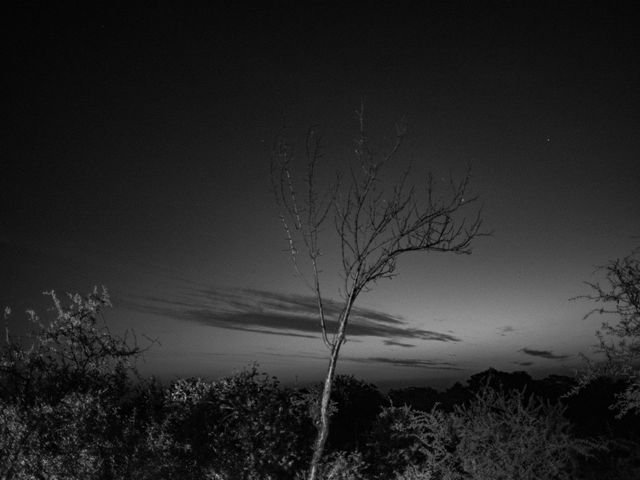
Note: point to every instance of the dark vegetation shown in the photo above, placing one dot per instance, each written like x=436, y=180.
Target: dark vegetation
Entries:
x=73, y=407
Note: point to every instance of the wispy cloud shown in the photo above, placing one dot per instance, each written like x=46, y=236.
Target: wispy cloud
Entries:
x=279, y=314
x=396, y=362
x=407, y=362
x=548, y=354
x=292, y=355
x=393, y=343
x=523, y=364
x=506, y=329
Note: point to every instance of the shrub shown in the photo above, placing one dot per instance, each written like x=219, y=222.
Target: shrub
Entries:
x=65, y=395
x=498, y=435
x=506, y=436
x=243, y=427
x=412, y=442
x=356, y=406
x=75, y=352
x=62, y=441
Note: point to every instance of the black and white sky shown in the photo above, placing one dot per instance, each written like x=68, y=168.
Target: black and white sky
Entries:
x=136, y=148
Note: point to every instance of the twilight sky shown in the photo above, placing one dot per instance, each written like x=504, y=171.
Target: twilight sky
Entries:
x=136, y=155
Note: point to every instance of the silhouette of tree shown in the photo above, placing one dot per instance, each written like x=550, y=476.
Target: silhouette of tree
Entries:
x=375, y=225
x=418, y=398
x=496, y=379
x=553, y=387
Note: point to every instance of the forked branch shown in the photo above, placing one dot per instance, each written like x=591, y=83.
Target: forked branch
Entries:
x=375, y=224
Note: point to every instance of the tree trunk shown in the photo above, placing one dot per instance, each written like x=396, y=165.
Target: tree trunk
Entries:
x=323, y=428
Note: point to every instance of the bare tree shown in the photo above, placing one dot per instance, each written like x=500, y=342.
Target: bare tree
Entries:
x=374, y=226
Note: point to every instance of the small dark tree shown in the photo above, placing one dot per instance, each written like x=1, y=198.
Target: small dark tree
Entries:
x=418, y=398
x=374, y=227
x=496, y=379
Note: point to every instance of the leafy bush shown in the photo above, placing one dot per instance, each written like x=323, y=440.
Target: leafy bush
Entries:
x=243, y=427
x=506, y=436
x=61, y=392
x=497, y=435
x=70, y=410
x=63, y=441
x=413, y=472
x=403, y=439
x=75, y=352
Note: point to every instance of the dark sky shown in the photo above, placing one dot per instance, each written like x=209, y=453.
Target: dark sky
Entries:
x=136, y=155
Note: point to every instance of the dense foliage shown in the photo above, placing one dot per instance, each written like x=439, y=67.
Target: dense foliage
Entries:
x=497, y=435
x=73, y=407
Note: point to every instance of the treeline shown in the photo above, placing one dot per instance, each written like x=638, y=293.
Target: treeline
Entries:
x=72, y=406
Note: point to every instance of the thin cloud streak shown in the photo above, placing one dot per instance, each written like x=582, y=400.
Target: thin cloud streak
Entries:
x=506, y=329
x=548, y=354
x=278, y=314
x=395, y=362
x=407, y=362
x=393, y=343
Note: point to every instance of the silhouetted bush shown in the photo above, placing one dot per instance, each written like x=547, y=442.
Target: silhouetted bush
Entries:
x=455, y=395
x=418, y=398
x=356, y=405
x=243, y=427
x=506, y=435
x=498, y=435
x=591, y=412
x=496, y=379
x=65, y=440
x=74, y=353
x=61, y=393
x=403, y=438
